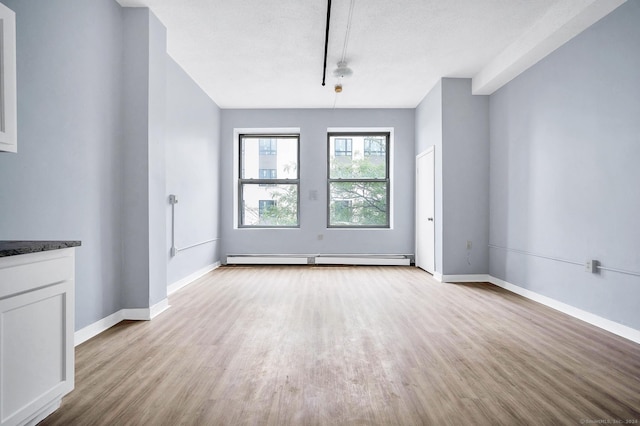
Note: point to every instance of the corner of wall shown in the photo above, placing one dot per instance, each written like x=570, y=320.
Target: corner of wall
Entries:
x=465, y=179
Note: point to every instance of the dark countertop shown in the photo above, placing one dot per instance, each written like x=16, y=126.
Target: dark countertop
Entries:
x=12, y=248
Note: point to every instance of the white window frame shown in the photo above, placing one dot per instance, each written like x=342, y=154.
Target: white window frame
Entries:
x=236, y=170
x=392, y=179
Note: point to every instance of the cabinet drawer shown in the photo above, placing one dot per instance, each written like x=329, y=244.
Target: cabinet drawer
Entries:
x=30, y=271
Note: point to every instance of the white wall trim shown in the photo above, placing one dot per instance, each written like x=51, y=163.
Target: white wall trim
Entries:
x=140, y=314
x=603, y=323
x=600, y=322
x=159, y=308
x=136, y=314
x=146, y=314
x=437, y=276
x=97, y=327
x=172, y=288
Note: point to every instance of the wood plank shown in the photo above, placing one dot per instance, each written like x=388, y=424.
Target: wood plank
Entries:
x=316, y=345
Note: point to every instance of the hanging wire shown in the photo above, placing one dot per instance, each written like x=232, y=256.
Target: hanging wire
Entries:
x=348, y=31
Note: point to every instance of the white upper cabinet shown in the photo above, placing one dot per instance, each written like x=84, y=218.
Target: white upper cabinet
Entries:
x=8, y=106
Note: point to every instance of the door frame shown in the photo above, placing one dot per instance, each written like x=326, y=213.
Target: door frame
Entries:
x=422, y=154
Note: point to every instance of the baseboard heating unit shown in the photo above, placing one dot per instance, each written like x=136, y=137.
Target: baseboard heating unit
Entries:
x=320, y=259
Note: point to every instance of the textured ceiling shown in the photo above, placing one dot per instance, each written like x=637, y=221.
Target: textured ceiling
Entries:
x=269, y=53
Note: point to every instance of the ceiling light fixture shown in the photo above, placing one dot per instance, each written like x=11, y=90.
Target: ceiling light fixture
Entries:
x=343, y=70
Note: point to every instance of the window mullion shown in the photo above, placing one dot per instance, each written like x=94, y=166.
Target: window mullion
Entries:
x=270, y=181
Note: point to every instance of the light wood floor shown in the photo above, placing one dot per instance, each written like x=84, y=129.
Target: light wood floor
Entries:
x=351, y=345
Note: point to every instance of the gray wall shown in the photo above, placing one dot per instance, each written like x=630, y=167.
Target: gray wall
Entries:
x=465, y=178
x=157, y=167
x=91, y=139
x=65, y=182
x=565, y=181
x=313, y=126
x=193, y=165
x=144, y=110
x=457, y=124
x=135, y=160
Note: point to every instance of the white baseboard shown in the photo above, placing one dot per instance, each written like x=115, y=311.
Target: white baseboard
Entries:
x=172, y=288
x=97, y=327
x=139, y=314
x=136, y=314
x=159, y=308
x=142, y=314
x=146, y=314
x=603, y=323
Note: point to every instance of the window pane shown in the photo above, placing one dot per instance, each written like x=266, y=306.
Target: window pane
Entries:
x=343, y=147
x=351, y=158
x=279, y=155
x=268, y=146
x=265, y=208
x=375, y=146
x=273, y=205
x=358, y=204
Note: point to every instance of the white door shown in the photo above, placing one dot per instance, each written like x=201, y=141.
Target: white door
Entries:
x=425, y=208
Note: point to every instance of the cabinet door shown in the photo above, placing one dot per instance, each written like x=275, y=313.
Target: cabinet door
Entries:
x=8, y=106
x=36, y=367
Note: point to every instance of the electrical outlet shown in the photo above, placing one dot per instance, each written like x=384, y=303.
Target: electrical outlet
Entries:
x=468, y=245
x=592, y=266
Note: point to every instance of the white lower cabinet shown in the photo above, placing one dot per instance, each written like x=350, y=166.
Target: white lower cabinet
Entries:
x=36, y=334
